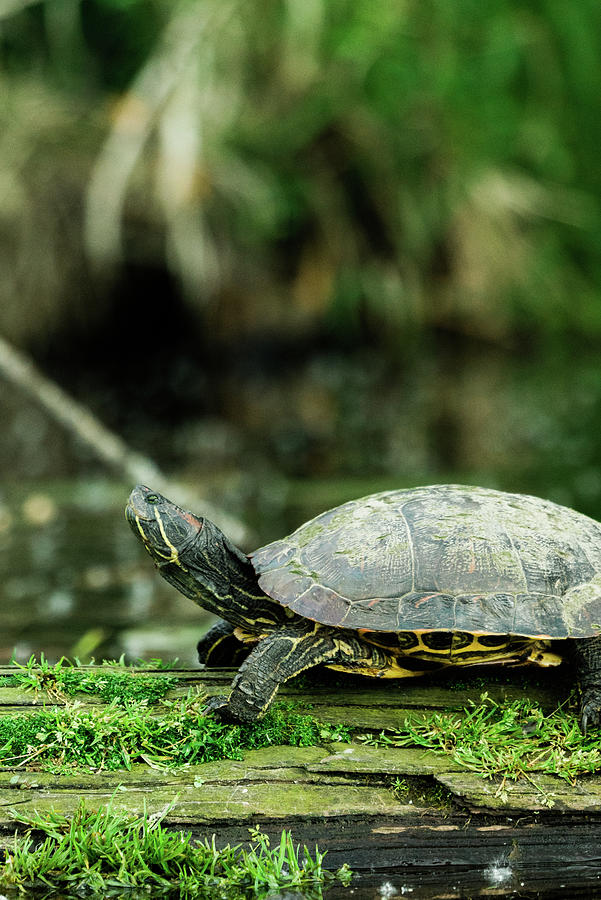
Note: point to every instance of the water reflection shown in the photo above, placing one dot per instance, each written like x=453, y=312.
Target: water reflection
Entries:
x=458, y=884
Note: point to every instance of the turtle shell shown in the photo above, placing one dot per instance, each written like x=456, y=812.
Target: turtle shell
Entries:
x=444, y=558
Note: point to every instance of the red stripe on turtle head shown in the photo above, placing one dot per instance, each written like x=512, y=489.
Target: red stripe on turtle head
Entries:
x=192, y=519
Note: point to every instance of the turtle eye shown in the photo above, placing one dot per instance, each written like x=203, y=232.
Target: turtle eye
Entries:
x=152, y=498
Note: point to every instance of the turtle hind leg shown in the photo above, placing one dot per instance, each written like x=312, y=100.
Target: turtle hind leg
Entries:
x=586, y=653
x=282, y=655
x=220, y=647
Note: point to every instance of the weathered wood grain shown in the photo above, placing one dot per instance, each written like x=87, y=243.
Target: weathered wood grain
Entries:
x=341, y=795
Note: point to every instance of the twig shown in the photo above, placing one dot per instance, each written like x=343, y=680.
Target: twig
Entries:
x=77, y=419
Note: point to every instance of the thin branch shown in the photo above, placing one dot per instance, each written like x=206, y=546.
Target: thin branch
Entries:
x=77, y=419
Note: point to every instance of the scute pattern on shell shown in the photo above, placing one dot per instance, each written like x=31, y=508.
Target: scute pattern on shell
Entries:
x=445, y=557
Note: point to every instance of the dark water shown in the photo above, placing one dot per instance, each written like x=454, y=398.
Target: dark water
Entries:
x=496, y=881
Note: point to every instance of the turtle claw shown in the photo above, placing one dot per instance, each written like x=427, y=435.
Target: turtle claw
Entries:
x=217, y=708
x=214, y=704
x=590, y=709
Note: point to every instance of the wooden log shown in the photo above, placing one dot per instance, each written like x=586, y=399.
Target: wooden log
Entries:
x=448, y=820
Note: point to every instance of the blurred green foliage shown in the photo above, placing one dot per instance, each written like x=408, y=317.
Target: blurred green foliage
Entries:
x=385, y=166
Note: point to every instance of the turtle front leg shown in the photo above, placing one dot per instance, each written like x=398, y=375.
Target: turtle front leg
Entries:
x=587, y=656
x=282, y=655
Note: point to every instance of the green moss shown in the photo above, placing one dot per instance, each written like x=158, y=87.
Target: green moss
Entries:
x=117, y=686
x=173, y=733
x=67, y=678
x=511, y=740
x=422, y=791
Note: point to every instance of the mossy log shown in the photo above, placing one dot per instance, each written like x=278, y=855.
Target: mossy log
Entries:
x=341, y=796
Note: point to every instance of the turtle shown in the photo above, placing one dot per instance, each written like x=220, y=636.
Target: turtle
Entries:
x=392, y=585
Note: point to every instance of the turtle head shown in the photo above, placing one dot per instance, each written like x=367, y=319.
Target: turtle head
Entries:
x=166, y=530
x=196, y=557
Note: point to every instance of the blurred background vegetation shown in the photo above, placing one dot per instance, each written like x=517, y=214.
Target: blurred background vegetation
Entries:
x=296, y=252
